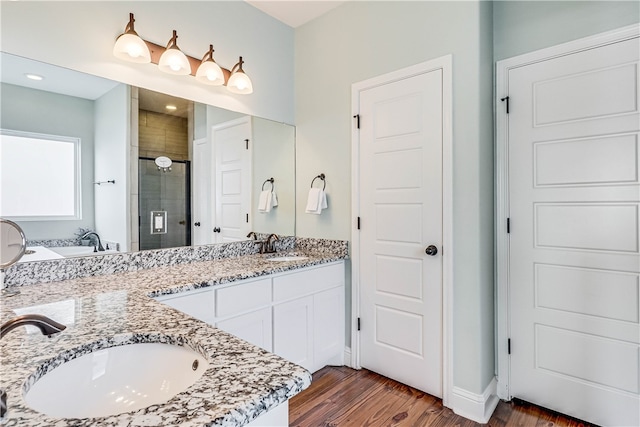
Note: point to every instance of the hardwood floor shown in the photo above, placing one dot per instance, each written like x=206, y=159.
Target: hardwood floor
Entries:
x=344, y=397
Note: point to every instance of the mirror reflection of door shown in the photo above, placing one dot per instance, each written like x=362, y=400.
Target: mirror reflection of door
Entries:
x=164, y=204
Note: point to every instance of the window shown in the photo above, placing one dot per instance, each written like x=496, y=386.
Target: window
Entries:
x=39, y=176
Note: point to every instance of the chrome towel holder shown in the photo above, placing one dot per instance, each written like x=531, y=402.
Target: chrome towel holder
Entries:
x=270, y=180
x=322, y=178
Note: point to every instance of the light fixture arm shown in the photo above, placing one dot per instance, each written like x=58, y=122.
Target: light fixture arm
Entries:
x=129, y=28
x=238, y=66
x=173, y=42
x=209, y=55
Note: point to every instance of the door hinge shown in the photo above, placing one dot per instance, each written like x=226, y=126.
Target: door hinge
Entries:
x=247, y=218
x=246, y=142
x=358, y=223
x=509, y=346
x=358, y=323
x=508, y=225
x=357, y=117
x=506, y=98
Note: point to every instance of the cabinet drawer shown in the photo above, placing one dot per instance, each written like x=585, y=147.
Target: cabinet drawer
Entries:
x=199, y=303
x=242, y=297
x=308, y=281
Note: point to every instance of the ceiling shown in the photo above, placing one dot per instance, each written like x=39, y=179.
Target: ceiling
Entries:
x=55, y=79
x=295, y=13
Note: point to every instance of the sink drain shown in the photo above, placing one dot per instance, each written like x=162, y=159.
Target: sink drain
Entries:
x=195, y=365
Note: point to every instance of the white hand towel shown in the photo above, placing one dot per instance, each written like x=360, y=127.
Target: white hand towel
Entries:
x=274, y=199
x=265, y=201
x=313, y=201
x=317, y=201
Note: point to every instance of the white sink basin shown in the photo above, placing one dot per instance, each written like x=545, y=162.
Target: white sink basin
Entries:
x=287, y=258
x=116, y=380
x=75, y=251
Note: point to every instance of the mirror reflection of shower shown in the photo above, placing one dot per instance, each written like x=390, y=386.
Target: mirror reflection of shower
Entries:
x=164, y=204
x=164, y=171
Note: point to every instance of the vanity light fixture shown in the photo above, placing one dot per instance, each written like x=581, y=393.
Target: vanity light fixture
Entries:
x=170, y=59
x=239, y=82
x=130, y=47
x=209, y=72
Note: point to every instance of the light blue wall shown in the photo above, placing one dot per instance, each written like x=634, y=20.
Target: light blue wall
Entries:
x=112, y=134
x=525, y=26
x=37, y=111
x=360, y=40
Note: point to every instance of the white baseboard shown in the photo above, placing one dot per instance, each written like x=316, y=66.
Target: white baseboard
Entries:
x=476, y=407
x=347, y=357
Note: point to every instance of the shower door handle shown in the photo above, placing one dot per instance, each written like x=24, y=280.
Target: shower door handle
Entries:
x=182, y=222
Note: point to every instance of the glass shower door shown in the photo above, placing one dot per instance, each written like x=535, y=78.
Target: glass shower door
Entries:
x=164, y=204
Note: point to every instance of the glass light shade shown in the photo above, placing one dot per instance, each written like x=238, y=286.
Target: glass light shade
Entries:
x=210, y=73
x=173, y=61
x=240, y=83
x=130, y=47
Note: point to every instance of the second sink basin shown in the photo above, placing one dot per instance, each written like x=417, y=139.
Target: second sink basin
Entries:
x=287, y=257
x=115, y=380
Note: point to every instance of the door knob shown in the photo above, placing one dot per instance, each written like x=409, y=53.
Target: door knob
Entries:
x=431, y=250
x=197, y=224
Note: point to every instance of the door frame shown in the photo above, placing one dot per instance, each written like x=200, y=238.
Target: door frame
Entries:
x=443, y=63
x=503, y=310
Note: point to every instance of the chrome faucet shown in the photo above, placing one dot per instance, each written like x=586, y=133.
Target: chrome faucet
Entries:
x=46, y=325
x=270, y=243
x=85, y=235
x=252, y=235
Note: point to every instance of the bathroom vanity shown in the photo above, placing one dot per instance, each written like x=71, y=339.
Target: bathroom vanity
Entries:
x=235, y=312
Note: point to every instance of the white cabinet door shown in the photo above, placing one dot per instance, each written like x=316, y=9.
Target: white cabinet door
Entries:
x=254, y=327
x=293, y=331
x=328, y=328
x=199, y=303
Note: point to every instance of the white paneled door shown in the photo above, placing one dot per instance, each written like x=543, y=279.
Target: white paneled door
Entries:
x=232, y=159
x=400, y=199
x=574, y=199
x=201, y=230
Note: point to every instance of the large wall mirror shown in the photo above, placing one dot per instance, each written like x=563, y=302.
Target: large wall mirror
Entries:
x=144, y=170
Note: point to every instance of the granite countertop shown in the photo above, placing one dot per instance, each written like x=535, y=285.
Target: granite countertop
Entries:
x=242, y=382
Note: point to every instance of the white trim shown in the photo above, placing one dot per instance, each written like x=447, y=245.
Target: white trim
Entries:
x=347, y=357
x=476, y=407
x=502, y=185
x=445, y=63
x=77, y=174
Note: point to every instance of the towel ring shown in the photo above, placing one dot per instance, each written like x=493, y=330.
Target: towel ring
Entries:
x=321, y=176
x=270, y=180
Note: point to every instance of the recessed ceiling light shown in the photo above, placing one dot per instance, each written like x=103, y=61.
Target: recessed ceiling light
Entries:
x=171, y=107
x=34, y=76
